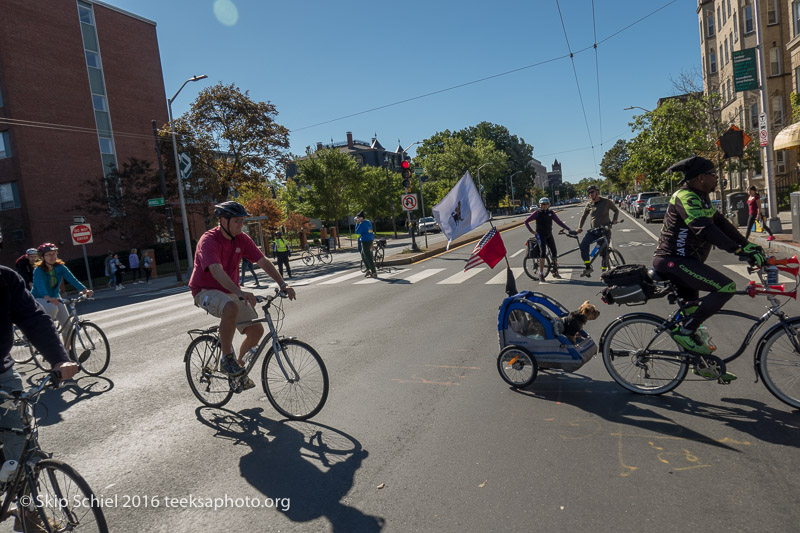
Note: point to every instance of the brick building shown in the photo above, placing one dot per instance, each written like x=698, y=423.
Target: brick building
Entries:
x=80, y=82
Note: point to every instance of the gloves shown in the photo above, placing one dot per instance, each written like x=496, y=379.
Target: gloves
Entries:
x=753, y=252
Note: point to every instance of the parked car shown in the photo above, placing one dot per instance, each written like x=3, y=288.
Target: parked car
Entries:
x=641, y=199
x=521, y=209
x=427, y=225
x=655, y=208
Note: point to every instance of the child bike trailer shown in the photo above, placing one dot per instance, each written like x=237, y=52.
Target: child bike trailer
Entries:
x=529, y=327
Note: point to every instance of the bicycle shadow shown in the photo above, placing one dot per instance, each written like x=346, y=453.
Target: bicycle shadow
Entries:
x=311, y=464
x=751, y=417
x=69, y=393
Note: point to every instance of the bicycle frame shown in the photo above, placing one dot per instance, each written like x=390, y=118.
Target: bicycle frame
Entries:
x=271, y=336
x=601, y=247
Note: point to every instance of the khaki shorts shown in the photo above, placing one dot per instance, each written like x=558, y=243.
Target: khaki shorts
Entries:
x=213, y=301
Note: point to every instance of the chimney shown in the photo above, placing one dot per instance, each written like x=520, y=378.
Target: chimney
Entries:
x=319, y=146
x=349, y=139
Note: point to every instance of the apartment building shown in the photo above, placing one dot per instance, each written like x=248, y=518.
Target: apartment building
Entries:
x=728, y=26
x=80, y=82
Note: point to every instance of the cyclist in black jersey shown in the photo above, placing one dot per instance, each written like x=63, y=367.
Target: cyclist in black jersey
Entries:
x=691, y=226
x=544, y=219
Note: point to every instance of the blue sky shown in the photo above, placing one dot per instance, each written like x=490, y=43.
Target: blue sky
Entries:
x=320, y=60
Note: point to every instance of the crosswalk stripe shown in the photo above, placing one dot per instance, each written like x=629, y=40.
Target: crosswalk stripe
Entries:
x=192, y=310
x=500, y=278
x=460, y=277
x=419, y=276
x=340, y=279
x=309, y=281
x=380, y=277
x=517, y=253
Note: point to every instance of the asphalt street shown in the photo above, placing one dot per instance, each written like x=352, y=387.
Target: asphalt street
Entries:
x=419, y=432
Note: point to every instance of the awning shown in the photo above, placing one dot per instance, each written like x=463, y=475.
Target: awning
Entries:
x=788, y=137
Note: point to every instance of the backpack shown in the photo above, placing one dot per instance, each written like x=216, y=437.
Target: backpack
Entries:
x=627, y=285
x=533, y=248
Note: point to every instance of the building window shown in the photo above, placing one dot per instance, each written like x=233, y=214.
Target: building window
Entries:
x=727, y=56
x=710, y=23
x=780, y=161
x=772, y=12
x=754, y=117
x=729, y=8
x=730, y=40
x=730, y=92
x=99, y=102
x=777, y=111
x=5, y=145
x=106, y=146
x=9, y=196
x=748, y=19
x=92, y=59
x=797, y=80
x=796, y=18
x=712, y=57
x=85, y=13
x=735, y=29
x=719, y=20
x=701, y=31
x=774, y=61
x=724, y=17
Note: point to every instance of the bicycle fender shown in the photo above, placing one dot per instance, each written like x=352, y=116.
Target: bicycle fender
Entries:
x=793, y=321
x=625, y=317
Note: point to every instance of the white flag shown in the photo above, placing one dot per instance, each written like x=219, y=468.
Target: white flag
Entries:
x=461, y=210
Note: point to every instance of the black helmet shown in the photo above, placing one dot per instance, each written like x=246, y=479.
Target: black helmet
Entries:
x=229, y=210
x=591, y=188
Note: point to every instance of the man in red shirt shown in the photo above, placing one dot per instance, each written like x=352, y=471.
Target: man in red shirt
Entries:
x=215, y=283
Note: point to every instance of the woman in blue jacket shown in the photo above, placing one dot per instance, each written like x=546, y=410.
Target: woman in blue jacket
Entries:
x=50, y=271
x=365, y=237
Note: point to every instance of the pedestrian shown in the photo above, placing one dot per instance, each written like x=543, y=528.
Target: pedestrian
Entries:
x=754, y=210
x=133, y=264
x=366, y=235
x=247, y=265
x=147, y=266
x=25, y=265
x=281, y=251
x=107, y=266
x=116, y=270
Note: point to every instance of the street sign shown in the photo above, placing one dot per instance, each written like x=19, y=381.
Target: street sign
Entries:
x=763, y=134
x=557, y=192
x=419, y=171
x=409, y=202
x=81, y=233
x=155, y=202
x=78, y=220
x=186, y=165
x=745, y=70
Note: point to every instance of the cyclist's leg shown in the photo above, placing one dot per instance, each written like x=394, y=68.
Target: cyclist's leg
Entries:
x=541, y=251
x=64, y=320
x=604, y=259
x=10, y=380
x=551, y=244
x=221, y=305
x=252, y=334
x=590, y=237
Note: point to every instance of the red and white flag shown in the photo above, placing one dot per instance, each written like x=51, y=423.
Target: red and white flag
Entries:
x=490, y=250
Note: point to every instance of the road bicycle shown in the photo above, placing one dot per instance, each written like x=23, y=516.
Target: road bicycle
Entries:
x=378, y=254
x=602, y=249
x=88, y=344
x=318, y=253
x=640, y=354
x=293, y=375
x=50, y=495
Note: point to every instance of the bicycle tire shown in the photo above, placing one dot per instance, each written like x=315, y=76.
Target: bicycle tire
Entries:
x=622, y=344
x=64, y=498
x=615, y=258
x=208, y=383
x=21, y=348
x=531, y=267
x=378, y=258
x=325, y=256
x=307, y=258
x=517, y=366
x=285, y=396
x=778, y=363
x=89, y=348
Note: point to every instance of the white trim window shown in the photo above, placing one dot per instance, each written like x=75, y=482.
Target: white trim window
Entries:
x=774, y=61
x=727, y=56
x=780, y=161
x=777, y=111
x=796, y=18
x=748, y=19
x=772, y=12
x=5, y=145
x=735, y=28
x=712, y=62
x=9, y=196
x=754, y=116
x=710, y=23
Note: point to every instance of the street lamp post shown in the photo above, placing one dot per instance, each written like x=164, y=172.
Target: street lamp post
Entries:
x=179, y=174
x=481, y=184
x=511, y=178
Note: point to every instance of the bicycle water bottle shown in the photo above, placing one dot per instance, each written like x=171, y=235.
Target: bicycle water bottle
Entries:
x=9, y=467
x=594, y=252
x=703, y=332
x=772, y=274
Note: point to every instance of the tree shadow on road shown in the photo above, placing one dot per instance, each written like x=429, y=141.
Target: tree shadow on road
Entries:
x=310, y=464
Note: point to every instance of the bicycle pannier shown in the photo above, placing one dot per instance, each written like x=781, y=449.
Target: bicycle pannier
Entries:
x=533, y=248
x=627, y=285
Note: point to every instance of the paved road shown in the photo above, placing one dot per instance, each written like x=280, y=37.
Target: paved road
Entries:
x=420, y=433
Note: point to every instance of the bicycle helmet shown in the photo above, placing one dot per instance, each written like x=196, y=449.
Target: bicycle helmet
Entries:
x=230, y=209
x=591, y=188
x=46, y=247
x=31, y=251
x=544, y=200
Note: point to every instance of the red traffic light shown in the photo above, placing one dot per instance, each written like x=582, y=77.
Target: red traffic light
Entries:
x=405, y=164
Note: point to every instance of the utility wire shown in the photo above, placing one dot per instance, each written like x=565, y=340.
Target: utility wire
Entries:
x=597, y=73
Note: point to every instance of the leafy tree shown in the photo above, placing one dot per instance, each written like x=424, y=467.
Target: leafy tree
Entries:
x=613, y=162
x=257, y=199
x=325, y=186
x=123, y=194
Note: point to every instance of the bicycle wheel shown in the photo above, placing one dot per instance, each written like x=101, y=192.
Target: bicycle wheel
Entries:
x=63, y=499
x=378, y=258
x=21, y=349
x=325, y=256
x=778, y=360
x=207, y=381
x=302, y=394
x=614, y=258
x=644, y=372
x=89, y=348
x=307, y=258
x=517, y=366
x=531, y=267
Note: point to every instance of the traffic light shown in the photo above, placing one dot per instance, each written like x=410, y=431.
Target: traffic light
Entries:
x=406, y=171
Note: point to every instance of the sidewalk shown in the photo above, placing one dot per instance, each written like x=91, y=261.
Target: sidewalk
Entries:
x=783, y=245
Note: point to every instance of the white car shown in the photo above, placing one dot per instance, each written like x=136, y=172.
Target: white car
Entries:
x=427, y=225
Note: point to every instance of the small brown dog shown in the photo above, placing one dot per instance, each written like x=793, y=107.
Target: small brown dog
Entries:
x=576, y=320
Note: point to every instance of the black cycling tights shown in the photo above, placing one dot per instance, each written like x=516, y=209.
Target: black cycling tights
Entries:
x=551, y=243
x=690, y=277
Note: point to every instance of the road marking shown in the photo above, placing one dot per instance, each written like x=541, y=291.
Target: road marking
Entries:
x=742, y=271
x=517, y=253
x=303, y=282
x=460, y=277
x=632, y=219
x=351, y=275
x=500, y=278
x=381, y=277
x=419, y=276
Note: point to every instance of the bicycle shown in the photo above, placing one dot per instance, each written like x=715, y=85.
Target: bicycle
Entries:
x=88, y=344
x=320, y=253
x=50, y=494
x=640, y=355
x=378, y=253
x=602, y=248
x=293, y=375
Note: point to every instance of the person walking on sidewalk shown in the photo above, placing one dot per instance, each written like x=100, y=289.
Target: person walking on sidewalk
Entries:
x=215, y=283
x=365, y=237
x=147, y=266
x=107, y=269
x=598, y=207
x=116, y=267
x=754, y=210
x=280, y=249
x=133, y=264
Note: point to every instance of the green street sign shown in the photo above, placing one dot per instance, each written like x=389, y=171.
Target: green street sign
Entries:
x=419, y=171
x=155, y=202
x=745, y=73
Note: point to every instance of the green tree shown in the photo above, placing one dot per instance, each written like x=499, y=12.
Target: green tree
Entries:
x=613, y=162
x=326, y=185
